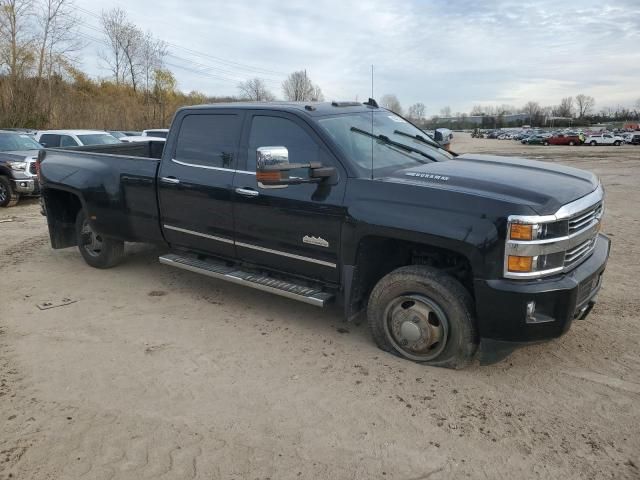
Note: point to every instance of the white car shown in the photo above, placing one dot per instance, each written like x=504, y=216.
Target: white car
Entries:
x=156, y=132
x=142, y=139
x=74, y=138
x=603, y=139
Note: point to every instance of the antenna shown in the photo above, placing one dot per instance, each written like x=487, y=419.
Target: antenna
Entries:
x=371, y=122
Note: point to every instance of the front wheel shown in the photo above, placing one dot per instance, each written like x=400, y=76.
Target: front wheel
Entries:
x=97, y=250
x=571, y=143
x=546, y=144
x=424, y=315
x=593, y=143
x=617, y=143
x=8, y=197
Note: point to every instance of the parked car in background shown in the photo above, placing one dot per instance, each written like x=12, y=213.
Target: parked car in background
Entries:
x=635, y=139
x=603, y=139
x=74, y=138
x=562, y=139
x=156, y=132
x=18, y=152
x=537, y=139
x=120, y=134
x=142, y=139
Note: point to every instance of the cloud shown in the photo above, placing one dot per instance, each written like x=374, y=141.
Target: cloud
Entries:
x=437, y=52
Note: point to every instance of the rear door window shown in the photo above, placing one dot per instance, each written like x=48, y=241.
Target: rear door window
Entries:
x=67, y=141
x=209, y=140
x=50, y=140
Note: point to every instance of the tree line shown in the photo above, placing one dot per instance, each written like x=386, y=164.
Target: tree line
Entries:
x=43, y=86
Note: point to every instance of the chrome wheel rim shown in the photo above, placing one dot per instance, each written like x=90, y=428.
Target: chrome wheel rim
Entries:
x=91, y=241
x=416, y=326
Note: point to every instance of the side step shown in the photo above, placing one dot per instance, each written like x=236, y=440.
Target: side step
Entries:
x=215, y=269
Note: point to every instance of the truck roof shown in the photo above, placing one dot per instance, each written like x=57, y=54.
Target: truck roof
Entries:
x=309, y=108
x=72, y=132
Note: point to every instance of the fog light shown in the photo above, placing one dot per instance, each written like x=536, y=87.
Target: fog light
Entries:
x=531, y=311
x=23, y=184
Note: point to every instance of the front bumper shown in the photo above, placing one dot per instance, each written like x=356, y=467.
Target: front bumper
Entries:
x=26, y=186
x=501, y=305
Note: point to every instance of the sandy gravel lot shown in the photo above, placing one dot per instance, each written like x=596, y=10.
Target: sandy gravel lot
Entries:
x=162, y=374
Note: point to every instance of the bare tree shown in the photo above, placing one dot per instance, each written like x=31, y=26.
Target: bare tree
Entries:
x=445, y=111
x=152, y=54
x=565, y=109
x=255, y=89
x=16, y=38
x=584, y=104
x=390, y=102
x=477, y=110
x=299, y=88
x=58, y=41
x=417, y=112
x=533, y=111
x=113, y=23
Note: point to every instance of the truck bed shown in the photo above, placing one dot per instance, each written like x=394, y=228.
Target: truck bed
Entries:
x=118, y=188
x=150, y=149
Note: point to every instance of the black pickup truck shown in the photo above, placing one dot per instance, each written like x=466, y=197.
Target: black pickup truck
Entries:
x=347, y=203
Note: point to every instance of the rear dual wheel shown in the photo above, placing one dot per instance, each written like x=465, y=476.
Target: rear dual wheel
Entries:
x=96, y=249
x=424, y=315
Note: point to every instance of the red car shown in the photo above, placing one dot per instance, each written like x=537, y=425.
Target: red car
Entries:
x=564, y=140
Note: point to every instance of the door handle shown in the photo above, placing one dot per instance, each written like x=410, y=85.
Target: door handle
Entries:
x=247, y=192
x=172, y=180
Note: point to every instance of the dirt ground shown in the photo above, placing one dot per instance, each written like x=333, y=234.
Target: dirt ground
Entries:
x=157, y=373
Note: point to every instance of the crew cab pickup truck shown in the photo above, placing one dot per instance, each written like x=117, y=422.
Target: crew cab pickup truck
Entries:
x=18, y=152
x=563, y=139
x=603, y=139
x=352, y=204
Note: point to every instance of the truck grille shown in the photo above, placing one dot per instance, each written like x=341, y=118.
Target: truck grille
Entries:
x=32, y=168
x=584, y=219
x=573, y=256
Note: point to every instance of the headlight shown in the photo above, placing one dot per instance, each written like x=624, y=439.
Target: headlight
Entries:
x=541, y=245
x=18, y=165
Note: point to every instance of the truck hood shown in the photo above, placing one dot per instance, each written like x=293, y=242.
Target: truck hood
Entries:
x=19, y=156
x=542, y=186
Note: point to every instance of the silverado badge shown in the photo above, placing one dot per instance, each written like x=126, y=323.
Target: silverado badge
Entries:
x=319, y=241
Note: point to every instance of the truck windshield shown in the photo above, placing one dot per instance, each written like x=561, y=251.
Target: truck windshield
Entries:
x=13, y=142
x=98, y=139
x=366, y=152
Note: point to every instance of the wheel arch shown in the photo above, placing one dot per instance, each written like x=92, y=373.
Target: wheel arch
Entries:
x=62, y=207
x=367, y=266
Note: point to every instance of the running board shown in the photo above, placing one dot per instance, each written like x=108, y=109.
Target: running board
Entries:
x=220, y=270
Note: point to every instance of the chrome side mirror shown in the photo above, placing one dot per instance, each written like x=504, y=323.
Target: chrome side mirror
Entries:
x=271, y=166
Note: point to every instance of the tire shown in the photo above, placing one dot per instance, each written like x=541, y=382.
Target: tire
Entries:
x=546, y=144
x=617, y=143
x=97, y=251
x=593, y=143
x=571, y=144
x=8, y=196
x=440, y=304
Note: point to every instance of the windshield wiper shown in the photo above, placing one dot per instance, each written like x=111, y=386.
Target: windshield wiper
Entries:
x=420, y=138
x=386, y=140
x=424, y=140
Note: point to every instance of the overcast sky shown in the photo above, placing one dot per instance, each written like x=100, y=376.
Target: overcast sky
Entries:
x=437, y=52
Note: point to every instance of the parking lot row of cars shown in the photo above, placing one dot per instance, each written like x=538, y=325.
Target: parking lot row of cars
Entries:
x=564, y=137
x=19, y=149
